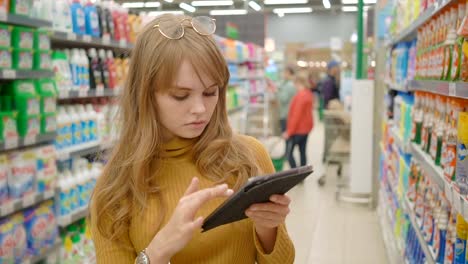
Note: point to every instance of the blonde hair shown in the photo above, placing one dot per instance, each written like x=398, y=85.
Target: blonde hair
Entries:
x=131, y=174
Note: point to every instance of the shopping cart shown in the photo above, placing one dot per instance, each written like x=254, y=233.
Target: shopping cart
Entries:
x=337, y=141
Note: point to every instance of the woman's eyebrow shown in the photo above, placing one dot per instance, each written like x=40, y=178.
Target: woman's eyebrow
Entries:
x=189, y=89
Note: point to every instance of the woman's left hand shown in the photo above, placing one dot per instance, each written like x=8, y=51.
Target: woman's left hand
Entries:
x=271, y=214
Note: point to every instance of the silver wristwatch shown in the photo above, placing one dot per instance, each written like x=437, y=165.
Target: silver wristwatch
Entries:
x=142, y=258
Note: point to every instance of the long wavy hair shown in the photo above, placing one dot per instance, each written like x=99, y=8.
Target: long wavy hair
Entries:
x=131, y=174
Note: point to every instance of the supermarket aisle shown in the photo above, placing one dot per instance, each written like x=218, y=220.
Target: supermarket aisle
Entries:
x=327, y=232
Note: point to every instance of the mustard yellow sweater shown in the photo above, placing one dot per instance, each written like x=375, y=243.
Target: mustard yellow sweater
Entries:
x=232, y=243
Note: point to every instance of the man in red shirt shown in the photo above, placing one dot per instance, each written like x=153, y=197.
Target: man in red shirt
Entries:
x=300, y=121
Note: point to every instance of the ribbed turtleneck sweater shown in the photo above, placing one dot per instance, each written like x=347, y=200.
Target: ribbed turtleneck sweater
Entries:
x=232, y=243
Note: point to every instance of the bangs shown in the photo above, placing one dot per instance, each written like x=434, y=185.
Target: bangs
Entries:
x=200, y=51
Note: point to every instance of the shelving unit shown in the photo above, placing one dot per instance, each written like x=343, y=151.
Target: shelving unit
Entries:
x=107, y=92
x=75, y=40
x=67, y=220
x=397, y=87
x=452, y=89
x=20, y=20
x=20, y=204
x=436, y=173
x=410, y=32
x=394, y=252
x=83, y=150
x=8, y=74
x=27, y=142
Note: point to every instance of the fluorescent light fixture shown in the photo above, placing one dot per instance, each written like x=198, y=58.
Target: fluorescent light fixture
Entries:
x=326, y=4
x=323, y=64
x=292, y=10
x=169, y=1
x=187, y=7
x=158, y=13
x=228, y=12
x=349, y=8
x=302, y=64
x=213, y=3
x=133, y=5
x=354, y=2
x=255, y=6
x=285, y=2
x=152, y=4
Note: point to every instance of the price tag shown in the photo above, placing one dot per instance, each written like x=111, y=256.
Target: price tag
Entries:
x=87, y=38
x=65, y=220
x=99, y=91
x=106, y=40
x=48, y=194
x=3, y=15
x=452, y=89
x=11, y=143
x=9, y=74
x=82, y=93
x=7, y=208
x=30, y=140
x=29, y=200
x=457, y=203
x=448, y=192
x=64, y=94
x=123, y=43
x=71, y=36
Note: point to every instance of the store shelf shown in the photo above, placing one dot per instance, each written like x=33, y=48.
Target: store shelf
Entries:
x=425, y=247
x=436, y=173
x=454, y=89
x=411, y=32
x=404, y=146
x=88, y=41
x=20, y=204
x=79, y=150
x=25, y=74
x=393, y=252
x=47, y=252
x=67, y=220
x=235, y=109
x=397, y=87
x=107, y=92
x=20, y=20
x=28, y=141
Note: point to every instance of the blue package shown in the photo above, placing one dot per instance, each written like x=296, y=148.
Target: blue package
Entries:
x=41, y=228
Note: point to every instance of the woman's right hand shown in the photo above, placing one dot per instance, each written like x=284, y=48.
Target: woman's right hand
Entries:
x=180, y=229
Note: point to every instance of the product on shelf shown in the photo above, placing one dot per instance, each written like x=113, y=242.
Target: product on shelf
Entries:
x=462, y=153
x=77, y=245
x=41, y=228
x=46, y=169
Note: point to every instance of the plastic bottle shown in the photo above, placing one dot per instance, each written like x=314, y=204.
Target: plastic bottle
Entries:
x=79, y=178
x=95, y=73
x=109, y=19
x=119, y=27
x=112, y=70
x=126, y=24
x=102, y=126
x=75, y=63
x=103, y=27
x=73, y=190
x=457, y=49
x=64, y=196
x=78, y=18
x=75, y=125
x=104, y=67
x=460, y=244
x=84, y=119
x=92, y=20
x=62, y=17
x=92, y=119
x=84, y=64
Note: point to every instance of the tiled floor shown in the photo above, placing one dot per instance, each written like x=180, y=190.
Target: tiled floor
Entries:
x=325, y=231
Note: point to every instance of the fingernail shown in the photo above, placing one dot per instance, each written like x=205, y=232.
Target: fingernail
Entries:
x=229, y=192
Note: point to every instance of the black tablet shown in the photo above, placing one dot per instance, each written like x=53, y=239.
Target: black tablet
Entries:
x=257, y=190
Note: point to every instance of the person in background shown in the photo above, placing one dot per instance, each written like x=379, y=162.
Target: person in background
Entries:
x=330, y=86
x=300, y=121
x=286, y=92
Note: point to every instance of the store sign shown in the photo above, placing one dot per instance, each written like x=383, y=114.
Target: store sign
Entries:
x=232, y=30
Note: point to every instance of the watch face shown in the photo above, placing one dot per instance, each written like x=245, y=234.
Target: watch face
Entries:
x=142, y=258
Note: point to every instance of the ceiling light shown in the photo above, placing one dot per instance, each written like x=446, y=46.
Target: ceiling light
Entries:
x=152, y=4
x=228, y=12
x=255, y=6
x=285, y=2
x=354, y=2
x=326, y=4
x=302, y=64
x=213, y=3
x=187, y=7
x=133, y=5
x=349, y=8
x=169, y=1
x=292, y=10
x=158, y=13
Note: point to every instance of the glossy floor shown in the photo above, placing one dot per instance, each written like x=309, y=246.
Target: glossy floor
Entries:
x=325, y=231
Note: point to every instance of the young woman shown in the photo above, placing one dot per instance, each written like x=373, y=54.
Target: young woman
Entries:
x=177, y=160
x=300, y=121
